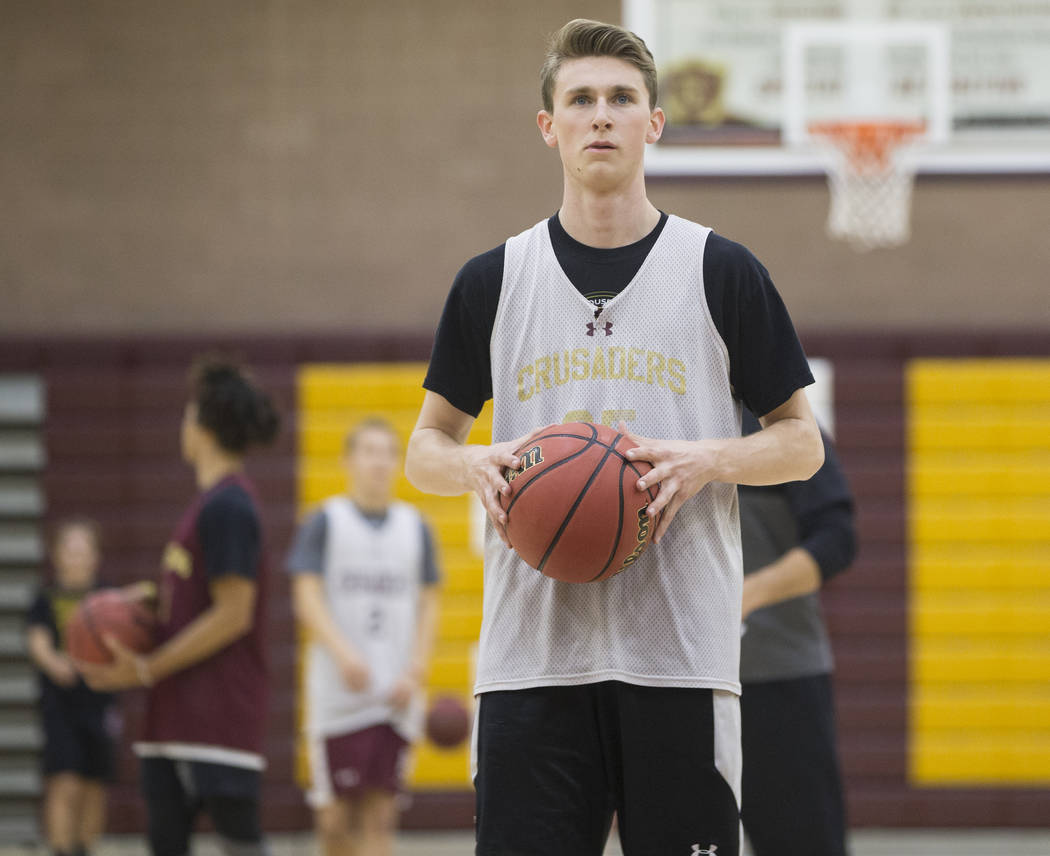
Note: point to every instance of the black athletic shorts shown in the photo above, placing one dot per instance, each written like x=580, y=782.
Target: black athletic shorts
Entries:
x=78, y=741
x=177, y=791
x=555, y=763
x=792, y=790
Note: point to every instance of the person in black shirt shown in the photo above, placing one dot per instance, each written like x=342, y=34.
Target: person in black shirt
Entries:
x=78, y=723
x=796, y=537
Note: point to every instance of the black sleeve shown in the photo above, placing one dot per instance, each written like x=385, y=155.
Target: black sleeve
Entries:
x=460, y=366
x=429, y=572
x=40, y=612
x=766, y=361
x=823, y=507
x=306, y=555
x=228, y=529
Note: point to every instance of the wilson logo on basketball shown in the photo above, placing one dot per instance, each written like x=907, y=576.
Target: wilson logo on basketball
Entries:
x=529, y=459
x=643, y=537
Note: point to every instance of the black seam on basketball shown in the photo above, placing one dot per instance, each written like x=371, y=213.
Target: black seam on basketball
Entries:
x=576, y=504
x=588, y=441
x=619, y=527
x=593, y=439
x=549, y=469
x=89, y=623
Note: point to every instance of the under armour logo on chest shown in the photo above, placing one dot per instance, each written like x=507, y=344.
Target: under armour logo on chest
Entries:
x=607, y=327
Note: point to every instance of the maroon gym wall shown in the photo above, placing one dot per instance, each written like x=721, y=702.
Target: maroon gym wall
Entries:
x=112, y=429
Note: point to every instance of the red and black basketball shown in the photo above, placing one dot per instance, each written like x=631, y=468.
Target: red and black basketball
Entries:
x=448, y=722
x=574, y=511
x=109, y=612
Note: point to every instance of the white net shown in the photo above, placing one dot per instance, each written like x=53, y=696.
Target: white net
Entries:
x=869, y=181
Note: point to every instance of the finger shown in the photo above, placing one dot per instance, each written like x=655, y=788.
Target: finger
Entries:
x=116, y=646
x=512, y=459
x=666, y=494
x=665, y=520
x=497, y=515
x=652, y=478
x=642, y=452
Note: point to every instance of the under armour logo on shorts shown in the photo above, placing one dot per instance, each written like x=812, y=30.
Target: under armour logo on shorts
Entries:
x=708, y=852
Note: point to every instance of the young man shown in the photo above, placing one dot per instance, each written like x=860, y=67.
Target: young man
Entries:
x=202, y=747
x=365, y=587
x=796, y=537
x=620, y=695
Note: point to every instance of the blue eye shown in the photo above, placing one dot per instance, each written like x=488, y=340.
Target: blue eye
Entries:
x=623, y=99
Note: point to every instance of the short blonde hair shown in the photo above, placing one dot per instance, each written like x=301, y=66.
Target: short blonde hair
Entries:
x=369, y=423
x=583, y=38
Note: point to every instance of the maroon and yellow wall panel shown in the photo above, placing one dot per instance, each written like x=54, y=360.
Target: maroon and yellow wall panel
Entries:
x=941, y=629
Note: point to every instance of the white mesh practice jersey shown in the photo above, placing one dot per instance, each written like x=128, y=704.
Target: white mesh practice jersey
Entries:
x=653, y=358
x=371, y=586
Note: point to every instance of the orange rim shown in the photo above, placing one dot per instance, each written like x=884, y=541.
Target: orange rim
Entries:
x=868, y=144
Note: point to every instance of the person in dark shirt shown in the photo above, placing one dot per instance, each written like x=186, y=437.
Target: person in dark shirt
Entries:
x=796, y=537
x=203, y=737
x=79, y=724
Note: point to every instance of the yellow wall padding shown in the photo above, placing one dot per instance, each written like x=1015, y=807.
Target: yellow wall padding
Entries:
x=979, y=552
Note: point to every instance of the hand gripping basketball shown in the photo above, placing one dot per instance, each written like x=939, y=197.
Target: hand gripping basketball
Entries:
x=574, y=511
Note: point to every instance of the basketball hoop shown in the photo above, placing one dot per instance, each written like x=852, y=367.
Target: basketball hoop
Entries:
x=869, y=181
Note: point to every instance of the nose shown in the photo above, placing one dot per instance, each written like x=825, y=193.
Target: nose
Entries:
x=602, y=118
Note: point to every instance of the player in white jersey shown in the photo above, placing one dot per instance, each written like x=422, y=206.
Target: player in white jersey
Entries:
x=364, y=584
x=618, y=696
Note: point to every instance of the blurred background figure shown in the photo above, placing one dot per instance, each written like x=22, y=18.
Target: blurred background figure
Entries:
x=79, y=724
x=202, y=746
x=365, y=588
x=796, y=537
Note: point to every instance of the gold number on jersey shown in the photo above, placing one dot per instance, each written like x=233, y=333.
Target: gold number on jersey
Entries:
x=609, y=417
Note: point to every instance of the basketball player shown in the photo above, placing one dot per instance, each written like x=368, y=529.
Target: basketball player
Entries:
x=203, y=737
x=78, y=723
x=796, y=537
x=365, y=586
x=620, y=695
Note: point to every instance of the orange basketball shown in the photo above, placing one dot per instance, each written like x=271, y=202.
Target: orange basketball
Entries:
x=574, y=511
x=448, y=722
x=109, y=612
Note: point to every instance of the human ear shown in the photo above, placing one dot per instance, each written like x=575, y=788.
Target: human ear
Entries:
x=545, y=121
x=656, y=126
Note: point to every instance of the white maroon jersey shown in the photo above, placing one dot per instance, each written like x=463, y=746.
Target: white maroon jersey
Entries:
x=371, y=585
x=653, y=358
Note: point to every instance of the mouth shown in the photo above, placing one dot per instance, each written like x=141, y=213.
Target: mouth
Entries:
x=601, y=146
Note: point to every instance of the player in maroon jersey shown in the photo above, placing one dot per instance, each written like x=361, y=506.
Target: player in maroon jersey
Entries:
x=203, y=738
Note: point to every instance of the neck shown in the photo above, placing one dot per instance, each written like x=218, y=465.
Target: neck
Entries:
x=212, y=469
x=370, y=503
x=613, y=218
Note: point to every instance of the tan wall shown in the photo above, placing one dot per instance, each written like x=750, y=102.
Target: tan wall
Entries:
x=282, y=166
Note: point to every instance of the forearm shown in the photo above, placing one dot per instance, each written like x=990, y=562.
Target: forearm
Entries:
x=787, y=450
x=435, y=462
x=41, y=651
x=794, y=574
x=426, y=629
x=313, y=614
x=210, y=632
